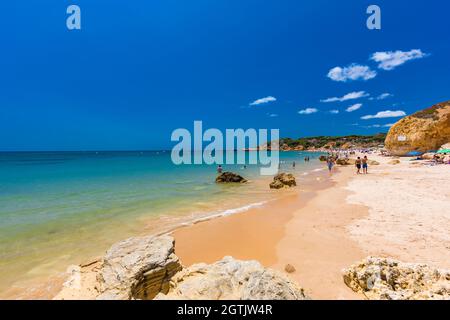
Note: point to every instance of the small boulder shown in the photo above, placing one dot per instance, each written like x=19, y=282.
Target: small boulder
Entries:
x=289, y=268
x=373, y=163
x=394, y=161
x=323, y=158
x=283, y=180
x=229, y=177
x=345, y=161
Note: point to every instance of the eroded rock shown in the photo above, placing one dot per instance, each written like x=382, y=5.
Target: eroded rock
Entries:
x=138, y=268
x=388, y=279
x=232, y=279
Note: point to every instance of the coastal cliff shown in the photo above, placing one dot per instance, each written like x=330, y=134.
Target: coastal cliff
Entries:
x=422, y=131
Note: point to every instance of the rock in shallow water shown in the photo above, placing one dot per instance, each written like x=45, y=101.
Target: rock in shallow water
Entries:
x=232, y=279
x=388, y=279
x=283, y=180
x=227, y=177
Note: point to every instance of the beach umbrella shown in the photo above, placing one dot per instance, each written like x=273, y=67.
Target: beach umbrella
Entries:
x=414, y=153
x=444, y=151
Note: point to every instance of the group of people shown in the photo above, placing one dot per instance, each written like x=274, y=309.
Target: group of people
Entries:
x=361, y=163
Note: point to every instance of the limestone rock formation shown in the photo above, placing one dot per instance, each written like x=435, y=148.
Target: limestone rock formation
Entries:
x=283, y=180
x=227, y=177
x=388, y=279
x=423, y=131
x=232, y=279
x=138, y=268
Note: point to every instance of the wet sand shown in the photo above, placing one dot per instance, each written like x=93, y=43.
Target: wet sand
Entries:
x=306, y=230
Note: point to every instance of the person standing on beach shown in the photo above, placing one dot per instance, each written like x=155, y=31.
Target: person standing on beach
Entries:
x=219, y=169
x=364, y=164
x=358, y=165
x=330, y=163
x=293, y=164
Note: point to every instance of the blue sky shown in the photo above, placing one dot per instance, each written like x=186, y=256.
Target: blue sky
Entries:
x=139, y=69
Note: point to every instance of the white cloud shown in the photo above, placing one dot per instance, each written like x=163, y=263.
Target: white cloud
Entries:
x=382, y=96
x=385, y=114
x=348, y=96
x=263, y=100
x=352, y=72
x=380, y=125
x=272, y=115
x=334, y=111
x=308, y=111
x=389, y=60
x=354, y=107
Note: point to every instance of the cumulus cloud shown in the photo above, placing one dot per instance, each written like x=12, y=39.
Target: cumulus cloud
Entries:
x=263, y=100
x=354, y=107
x=308, y=111
x=348, y=96
x=351, y=72
x=272, y=115
x=389, y=60
x=334, y=111
x=385, y=114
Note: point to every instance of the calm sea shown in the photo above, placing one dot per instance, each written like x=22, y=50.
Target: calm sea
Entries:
x=58, y=208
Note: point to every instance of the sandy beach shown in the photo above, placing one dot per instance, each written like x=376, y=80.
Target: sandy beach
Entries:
x=400, y=211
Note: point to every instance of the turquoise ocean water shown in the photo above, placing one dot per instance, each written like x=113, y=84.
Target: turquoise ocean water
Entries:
x=59, y=208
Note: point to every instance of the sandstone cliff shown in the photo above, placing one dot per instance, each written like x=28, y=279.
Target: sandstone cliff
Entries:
x=423, y=131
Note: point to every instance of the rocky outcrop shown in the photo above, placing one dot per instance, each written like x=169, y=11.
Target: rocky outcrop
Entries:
x=423, y=131
x=138, y=268
x=323, y=158
x=373, y=163
x=283, y=180
x=232, y=279
x=388, y=279
x=230, y=177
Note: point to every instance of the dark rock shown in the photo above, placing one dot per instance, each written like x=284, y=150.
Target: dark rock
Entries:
x=227, y=177
x=283, y=180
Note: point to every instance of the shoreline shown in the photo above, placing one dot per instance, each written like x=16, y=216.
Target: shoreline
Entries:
x=249, y=235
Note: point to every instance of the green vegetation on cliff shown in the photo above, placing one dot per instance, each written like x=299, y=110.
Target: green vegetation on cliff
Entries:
x=337, y=142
